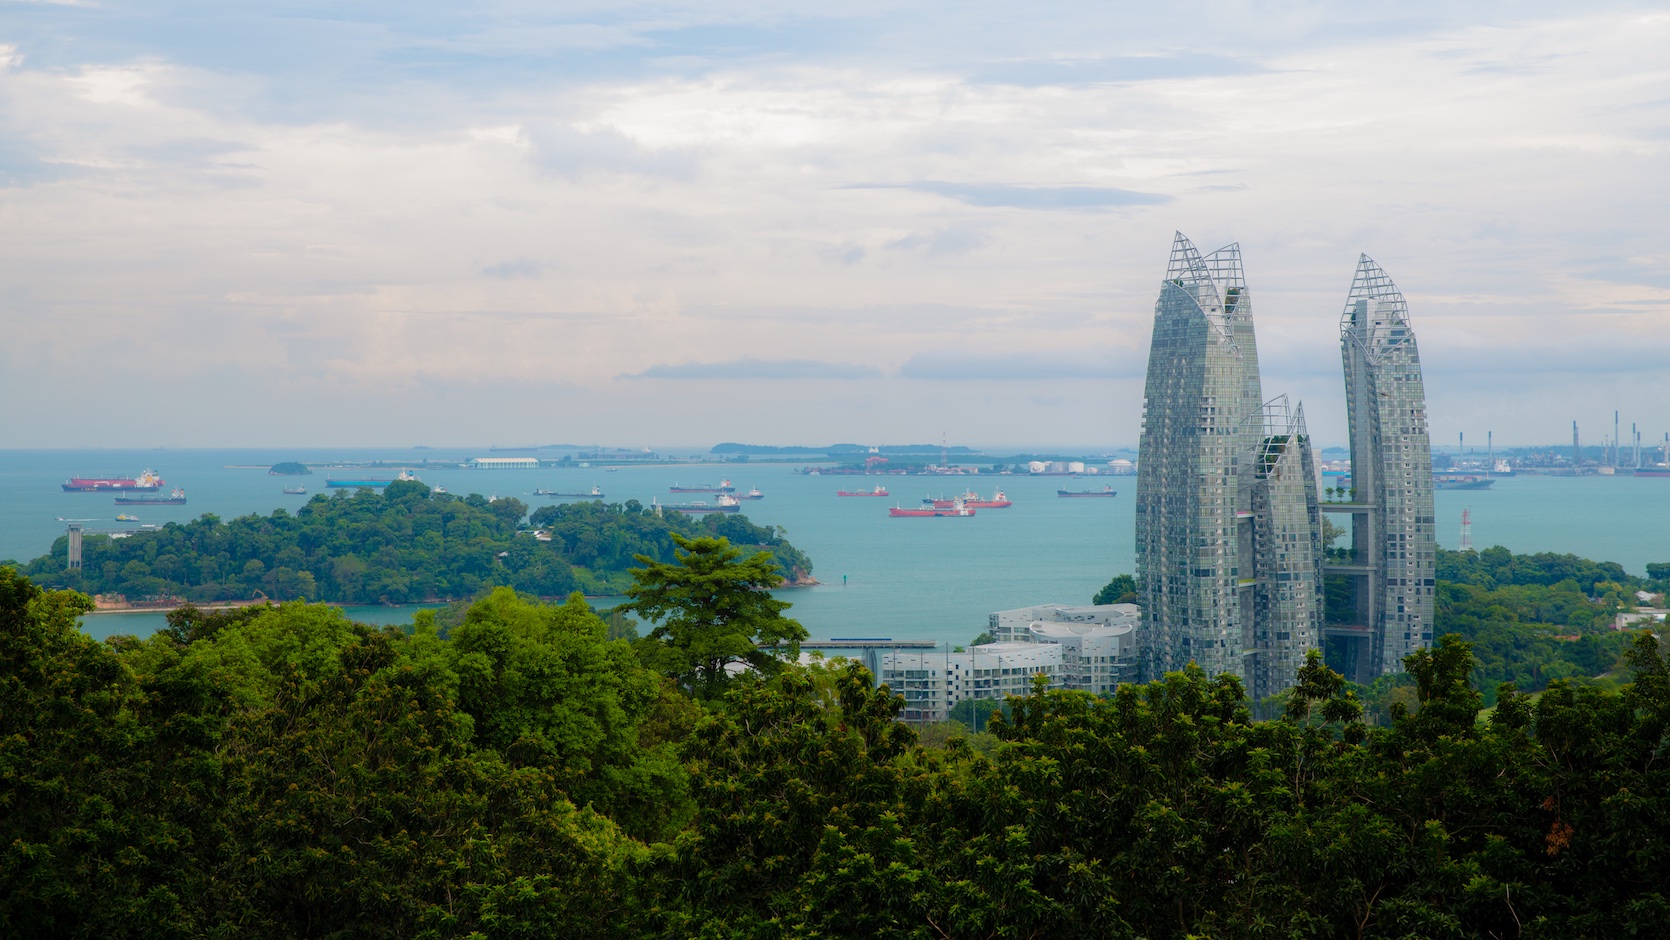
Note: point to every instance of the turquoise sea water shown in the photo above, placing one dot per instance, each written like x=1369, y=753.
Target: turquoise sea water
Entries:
x=905, y=578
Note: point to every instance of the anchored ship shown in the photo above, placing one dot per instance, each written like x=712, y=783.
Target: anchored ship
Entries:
x=176, y=498
x=1082, y=494
x=878, y=491
x=595, y=493
x=970, y=499
x=405, y=476
x=957, y=510
x=146, y=481
x=725, y=503
x=723, y=486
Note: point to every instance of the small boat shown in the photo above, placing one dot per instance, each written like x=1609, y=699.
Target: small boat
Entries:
x=878, y=491
x=958, y=510
x=124, y=517
x=972, y=500
x=176, y=498
x=753, y=493
x=595, y=493
x=1106, y=491
x=295, y=491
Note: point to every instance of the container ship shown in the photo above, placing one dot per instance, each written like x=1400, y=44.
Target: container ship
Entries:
x=878, y=491
x=723, y=486
x=176, y=498
x=972, y=500
x=1104, y=492
x=145, y=482
x=898, y=512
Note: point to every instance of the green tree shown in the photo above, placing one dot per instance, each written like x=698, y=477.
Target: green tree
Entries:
x=1121, y=590
x=712, y=608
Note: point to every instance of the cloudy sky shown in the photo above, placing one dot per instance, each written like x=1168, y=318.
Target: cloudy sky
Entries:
x=406, y=222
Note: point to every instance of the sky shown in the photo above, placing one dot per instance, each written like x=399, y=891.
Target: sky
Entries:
x=677, y=224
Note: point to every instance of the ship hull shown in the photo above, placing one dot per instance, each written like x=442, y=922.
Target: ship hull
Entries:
x=1070, y=494
x=926, y=513
x=141, y=501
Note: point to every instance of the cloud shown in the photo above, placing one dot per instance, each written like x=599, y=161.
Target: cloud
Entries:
x=513, y=270
x=844, y=253
x=572, y=151
x=1130, y=68
x=758, y=369
x=955, y=240
x=1090, y=363
x=1002, y=195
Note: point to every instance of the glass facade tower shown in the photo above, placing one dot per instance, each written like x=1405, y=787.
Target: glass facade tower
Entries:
x=1281, y=550
x=1391, y=568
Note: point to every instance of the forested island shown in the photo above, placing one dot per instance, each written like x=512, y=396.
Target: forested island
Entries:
x=284, y=772
x=406, y=544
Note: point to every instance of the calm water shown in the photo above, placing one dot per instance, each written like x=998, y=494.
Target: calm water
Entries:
x=907, y=578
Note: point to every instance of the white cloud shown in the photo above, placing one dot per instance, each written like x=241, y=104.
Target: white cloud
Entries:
x=411, y=204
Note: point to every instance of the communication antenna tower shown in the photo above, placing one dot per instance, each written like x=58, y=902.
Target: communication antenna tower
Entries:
x=1466, y=530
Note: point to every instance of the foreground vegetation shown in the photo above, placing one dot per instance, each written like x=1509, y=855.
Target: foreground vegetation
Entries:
x=403, y=545
x=284, y=772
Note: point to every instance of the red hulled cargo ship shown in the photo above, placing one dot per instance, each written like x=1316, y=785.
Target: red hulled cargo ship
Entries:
x=145, y=482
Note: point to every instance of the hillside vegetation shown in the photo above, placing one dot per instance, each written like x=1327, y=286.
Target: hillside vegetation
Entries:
x=284, y=772
x=403, y=545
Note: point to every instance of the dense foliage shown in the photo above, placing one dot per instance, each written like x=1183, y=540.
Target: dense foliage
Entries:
x=284, y=772
x=404, y=544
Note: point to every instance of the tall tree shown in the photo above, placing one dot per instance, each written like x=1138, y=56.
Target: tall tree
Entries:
x=712, y=608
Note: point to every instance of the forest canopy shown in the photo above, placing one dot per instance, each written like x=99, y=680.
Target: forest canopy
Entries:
x=406, y=544
x=285, y=772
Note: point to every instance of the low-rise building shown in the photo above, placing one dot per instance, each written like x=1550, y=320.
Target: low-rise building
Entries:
x=932, y=683
x=502, y=463
x=1014, y=626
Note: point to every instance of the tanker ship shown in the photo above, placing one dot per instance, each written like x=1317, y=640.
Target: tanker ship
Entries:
x=145, y=482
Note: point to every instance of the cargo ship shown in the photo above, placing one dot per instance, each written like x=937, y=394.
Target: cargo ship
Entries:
x=145, y=482
x=724, y=503
x=878, y=491
x=753, y=493
x=406, y=476
x=295, y=491
x=972, y=500
x=596, y=493
x=1104, y=492
x=898, y=512
x=1452, y=481
x=176, y=498
x=723, y=486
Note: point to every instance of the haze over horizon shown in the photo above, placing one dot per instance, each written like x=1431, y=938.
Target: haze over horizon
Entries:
x=292, y=224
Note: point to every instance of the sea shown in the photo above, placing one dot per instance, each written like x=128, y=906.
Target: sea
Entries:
x=932, y=579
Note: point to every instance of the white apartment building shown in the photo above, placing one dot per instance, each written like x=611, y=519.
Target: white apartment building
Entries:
x=1095, y=657
x=932, y=683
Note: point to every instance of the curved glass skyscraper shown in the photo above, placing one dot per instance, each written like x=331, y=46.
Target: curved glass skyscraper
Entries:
x=1393, y=547
x=1226, y=525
